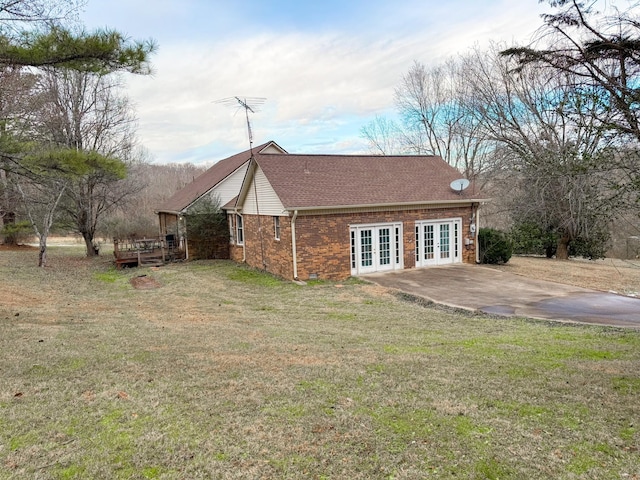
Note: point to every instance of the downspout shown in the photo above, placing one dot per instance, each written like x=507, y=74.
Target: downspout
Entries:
x=293, y=245
x=244, y=240
x=186, y=239
x=477, y=213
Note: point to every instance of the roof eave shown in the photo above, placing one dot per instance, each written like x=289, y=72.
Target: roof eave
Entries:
x=385, y=205
x=172, y=212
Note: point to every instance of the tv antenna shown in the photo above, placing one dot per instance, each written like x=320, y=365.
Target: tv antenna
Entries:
x=249, y=104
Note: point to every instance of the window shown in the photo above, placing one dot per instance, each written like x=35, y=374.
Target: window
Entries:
x=456, y=248
x=239, y=230
x=232, y=231
x=353, y=249
x=276, y=227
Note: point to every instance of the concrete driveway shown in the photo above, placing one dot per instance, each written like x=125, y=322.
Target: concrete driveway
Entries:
x=474, y=287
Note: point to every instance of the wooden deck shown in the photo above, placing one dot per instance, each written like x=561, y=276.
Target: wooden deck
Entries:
x=144, y=252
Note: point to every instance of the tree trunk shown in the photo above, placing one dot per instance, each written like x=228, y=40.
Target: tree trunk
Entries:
x=549, y=250
x=42, y=255
x=92, y=250
x=562, y=252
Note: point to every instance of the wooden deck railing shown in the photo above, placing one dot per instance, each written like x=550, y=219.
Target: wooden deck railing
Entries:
x=146, y=251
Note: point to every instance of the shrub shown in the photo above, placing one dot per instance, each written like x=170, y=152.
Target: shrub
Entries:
x=593, y=248
x=529, y=238
x=17, y=232
x=494, y=245
x=207, y=230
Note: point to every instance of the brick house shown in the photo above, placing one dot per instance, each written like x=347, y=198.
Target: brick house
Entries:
x=220, y=183
x=335, y=216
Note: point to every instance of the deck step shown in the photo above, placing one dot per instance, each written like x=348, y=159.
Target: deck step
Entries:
x=150, y=262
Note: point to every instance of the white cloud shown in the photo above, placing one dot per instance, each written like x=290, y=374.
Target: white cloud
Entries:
x=310, y=83
x=320, y=88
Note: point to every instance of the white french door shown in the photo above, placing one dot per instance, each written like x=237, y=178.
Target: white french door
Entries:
x=438, y=242
x=375, y=248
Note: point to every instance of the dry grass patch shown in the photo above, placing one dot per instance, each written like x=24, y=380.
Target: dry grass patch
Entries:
x=224, y=372
x=610, y=274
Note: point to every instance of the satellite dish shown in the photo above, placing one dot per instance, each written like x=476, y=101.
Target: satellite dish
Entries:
x=459, y=185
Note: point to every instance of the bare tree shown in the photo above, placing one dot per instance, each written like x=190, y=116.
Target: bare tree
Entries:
x=558, y=157
x=40, y=201
x=14, y=14
x=433, y=104
x=137, y=215
x=42, y=183
x=35, y=34
x=384, y=136
x=599, y=50
x=87, y=113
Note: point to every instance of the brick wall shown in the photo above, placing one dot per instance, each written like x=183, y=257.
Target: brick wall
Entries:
x=214, y=247
x=263, y=251
x=323, y=242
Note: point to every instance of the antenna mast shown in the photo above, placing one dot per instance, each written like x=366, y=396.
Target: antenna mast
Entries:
x=249, y=104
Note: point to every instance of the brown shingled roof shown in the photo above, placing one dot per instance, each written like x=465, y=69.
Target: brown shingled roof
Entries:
x=315, y=181
x=205, y=182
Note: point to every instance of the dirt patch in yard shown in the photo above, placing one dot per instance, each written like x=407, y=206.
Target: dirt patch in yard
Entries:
x=608, y=275
x=143, y=282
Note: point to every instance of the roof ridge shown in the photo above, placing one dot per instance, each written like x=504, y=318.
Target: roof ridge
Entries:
x=351, y=155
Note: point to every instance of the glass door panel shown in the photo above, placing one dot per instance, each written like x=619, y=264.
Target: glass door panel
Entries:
x=445, y=241
x=384, y=246
x=366, y=248
x=429, y=242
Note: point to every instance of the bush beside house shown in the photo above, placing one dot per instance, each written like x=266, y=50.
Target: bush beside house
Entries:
x=494, y=245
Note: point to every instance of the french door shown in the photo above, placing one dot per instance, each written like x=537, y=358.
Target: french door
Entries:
x=375, y=248
x=438, y=242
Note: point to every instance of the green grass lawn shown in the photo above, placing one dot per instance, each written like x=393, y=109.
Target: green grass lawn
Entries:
x=224, y=372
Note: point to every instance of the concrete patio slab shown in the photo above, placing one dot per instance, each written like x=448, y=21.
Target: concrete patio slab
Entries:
x=478, y=288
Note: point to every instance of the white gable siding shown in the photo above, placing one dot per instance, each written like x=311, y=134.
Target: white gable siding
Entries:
x=229, y=188
x=268, y=201
x=271, y=149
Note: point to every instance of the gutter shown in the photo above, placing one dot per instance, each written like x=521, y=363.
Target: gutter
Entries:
x=293, y=245
x=379, y=205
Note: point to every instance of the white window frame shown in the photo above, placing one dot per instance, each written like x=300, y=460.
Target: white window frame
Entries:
x=239, y=230
x=276, y=227
x=232, y=230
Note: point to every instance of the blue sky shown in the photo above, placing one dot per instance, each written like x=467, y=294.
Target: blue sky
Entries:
x=326, y=68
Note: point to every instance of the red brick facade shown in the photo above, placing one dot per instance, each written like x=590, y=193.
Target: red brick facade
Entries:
x=263, y=250
x=323, y=240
